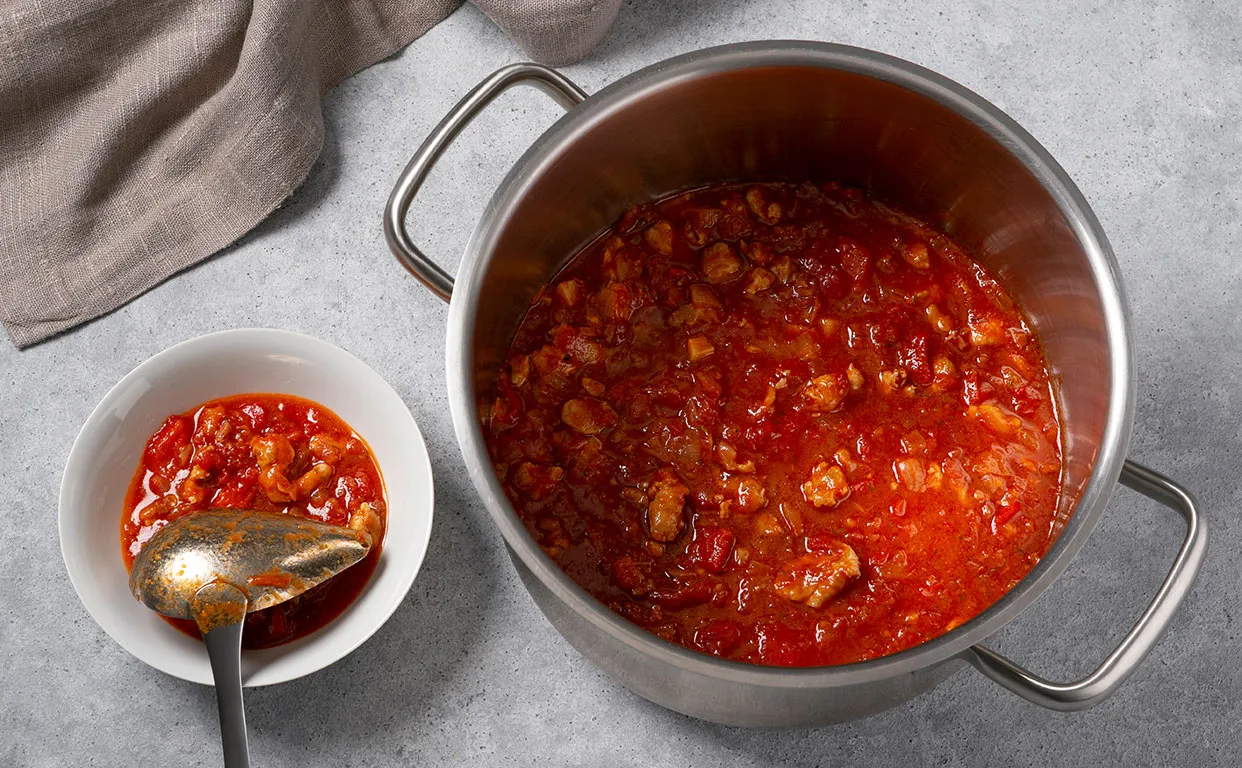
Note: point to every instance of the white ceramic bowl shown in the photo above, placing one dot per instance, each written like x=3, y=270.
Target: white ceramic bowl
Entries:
x=107, y=451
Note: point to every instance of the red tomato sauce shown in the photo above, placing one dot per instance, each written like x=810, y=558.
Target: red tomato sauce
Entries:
x=274, y=453
x=782, y=424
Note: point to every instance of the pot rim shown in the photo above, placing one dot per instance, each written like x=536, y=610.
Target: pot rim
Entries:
x=793, y=53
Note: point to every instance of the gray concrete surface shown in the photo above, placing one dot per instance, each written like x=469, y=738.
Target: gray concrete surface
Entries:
x=1142, y=104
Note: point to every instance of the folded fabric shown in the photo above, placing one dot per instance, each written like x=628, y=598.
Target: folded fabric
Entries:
x=138, y=137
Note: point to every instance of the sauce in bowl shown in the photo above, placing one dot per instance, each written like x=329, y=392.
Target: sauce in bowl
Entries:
x=270, y=452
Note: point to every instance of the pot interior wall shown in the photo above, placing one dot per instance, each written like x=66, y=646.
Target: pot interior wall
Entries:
x=804, y=123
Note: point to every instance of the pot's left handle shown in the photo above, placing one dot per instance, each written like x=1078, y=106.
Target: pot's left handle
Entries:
x=427, y=271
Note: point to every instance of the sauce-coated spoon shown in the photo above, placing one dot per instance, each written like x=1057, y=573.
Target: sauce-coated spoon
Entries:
x=217, y=565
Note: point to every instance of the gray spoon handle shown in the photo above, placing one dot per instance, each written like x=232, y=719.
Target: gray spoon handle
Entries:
x=224, y=650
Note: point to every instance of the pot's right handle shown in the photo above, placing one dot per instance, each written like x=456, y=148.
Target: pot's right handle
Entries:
x=1097, y=686
x=552, y=82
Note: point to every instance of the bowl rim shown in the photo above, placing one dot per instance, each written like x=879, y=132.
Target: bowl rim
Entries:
x=984, y=115
x=277, y=340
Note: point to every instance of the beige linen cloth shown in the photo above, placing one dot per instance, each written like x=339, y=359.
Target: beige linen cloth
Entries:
x=138, y=137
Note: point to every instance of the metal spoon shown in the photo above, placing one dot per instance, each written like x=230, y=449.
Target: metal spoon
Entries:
x=217, y=565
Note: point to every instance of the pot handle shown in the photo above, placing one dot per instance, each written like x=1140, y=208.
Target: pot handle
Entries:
x=1101, y=683
x=428, y=272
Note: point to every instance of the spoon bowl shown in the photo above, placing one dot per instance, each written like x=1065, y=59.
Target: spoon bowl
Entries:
x=270, y=557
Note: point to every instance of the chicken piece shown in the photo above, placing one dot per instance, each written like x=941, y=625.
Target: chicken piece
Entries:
x=210, y=422
x=985, y=330
x=914, y=442
x=892, y=380
x=620, y=263
x=703, y=297
x=570, y=292
x=792, y=517
x=519, y=369
x=783, y=268
x=592, y=386
x=758, y=253
x=957, y=476
x=158, y=509
x=698, y=347
x=617, y=302
x=804, y=347
x=366, y=522
x=660, y=237
x=326, y=449
x=944, y=373
x=577, y=344
x=1021, y=365
x=764, y=210
x=700, y=225
x=226, y=429
x=703, y=309
x=827, y=486
x=537, y=481
x=553, y=364
x=192, y=491
x=587, y=415
x=664, y=513
x=916, y=255
x=855, y=377
x=552, y=537
x=735, y=223
x=769, y=399
x=507, y=408
x=758, y=280
x=721, y=263
x=615, y=243
x=747, y=492
x=998, y=420
x=815, y=578
x=274, y=454
x=824, y=394
x=312, y=479
x=912, y=473
x=939, y=320
x=855, y=260
x=727, y=454
x=767, y=526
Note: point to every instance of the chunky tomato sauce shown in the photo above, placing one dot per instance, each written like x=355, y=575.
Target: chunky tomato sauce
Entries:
x=782, y=424
x=274, y=453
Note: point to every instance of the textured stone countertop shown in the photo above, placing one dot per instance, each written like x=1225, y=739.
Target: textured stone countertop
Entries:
x=1140, y=102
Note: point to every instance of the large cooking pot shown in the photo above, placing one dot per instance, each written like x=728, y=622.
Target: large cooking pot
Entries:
x=797, y=111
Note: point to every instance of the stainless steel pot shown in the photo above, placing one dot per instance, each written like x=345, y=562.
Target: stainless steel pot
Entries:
x=798, y=110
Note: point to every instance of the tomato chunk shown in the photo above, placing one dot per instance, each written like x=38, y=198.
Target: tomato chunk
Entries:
x=167, y=450
x=711, y=548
